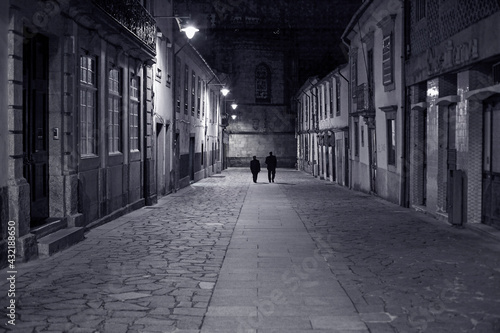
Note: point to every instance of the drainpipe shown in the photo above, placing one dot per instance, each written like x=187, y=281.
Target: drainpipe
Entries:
x=403, y=201
x=174, y=172
x=349, y=101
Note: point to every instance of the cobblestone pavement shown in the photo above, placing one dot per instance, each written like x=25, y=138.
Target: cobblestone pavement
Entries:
x=150, y=271
x=159, y=268
x=426, y=275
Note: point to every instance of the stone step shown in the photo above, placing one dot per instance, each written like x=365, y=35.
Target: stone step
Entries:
x=59, y=240
x=51, y=225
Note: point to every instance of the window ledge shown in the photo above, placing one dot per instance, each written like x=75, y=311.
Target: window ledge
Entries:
x=88, y=156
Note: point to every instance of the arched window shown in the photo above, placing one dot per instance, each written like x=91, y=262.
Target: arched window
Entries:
x=262, y=84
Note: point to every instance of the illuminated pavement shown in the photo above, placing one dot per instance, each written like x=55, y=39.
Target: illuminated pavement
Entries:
x=299, y=255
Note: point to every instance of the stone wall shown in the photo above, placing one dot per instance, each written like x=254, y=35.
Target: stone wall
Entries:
x=260, y=126
x=243, y=146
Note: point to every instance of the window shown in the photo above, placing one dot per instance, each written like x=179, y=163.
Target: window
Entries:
x=214, y=107
x=391, y=141
x=354, y=75
x=199, y=97
x=88, y=107
x=114, y=111
x=193, y=92
x=332, y=96
x=337, y=97
x=387, y=60
x=306, y=148
x=320, y=101
x=204, y=97
x=262, y=84
x=186, y=88
x=420, y=9
x=178, y=84
x=325, y=100
x=308, y=107
x=356, y=137
x=370, y=75
x=134, y=114
x=388, y=64
x=362, y=135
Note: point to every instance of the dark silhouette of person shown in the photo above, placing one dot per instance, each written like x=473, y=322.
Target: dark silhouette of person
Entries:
x=255, y=168
x=271, y=166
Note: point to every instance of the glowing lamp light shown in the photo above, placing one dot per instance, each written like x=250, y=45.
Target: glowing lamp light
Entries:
x=190, y=31
x=233, y=116
x=234, y=106
x=224, y=91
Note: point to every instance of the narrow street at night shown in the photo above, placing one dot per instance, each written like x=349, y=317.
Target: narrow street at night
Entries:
x=225, y=255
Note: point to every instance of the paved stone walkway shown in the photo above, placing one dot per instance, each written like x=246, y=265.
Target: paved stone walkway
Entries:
x=299, y=255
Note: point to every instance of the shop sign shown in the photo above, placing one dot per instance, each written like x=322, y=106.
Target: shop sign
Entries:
x=448, y=55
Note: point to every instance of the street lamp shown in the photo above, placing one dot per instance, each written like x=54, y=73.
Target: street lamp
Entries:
x=234, y=105
x=190, y=31
x=224, y=91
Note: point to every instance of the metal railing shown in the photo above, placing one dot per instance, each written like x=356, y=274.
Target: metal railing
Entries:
x=133, y=16
x=362, y=97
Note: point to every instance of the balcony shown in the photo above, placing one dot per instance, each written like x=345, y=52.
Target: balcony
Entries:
x=364, y=101
x=362, y=97
x=131, y=15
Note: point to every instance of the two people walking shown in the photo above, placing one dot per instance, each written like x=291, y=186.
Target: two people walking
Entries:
x=271, y=163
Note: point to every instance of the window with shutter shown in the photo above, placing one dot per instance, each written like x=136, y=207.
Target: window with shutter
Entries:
x=387, y=60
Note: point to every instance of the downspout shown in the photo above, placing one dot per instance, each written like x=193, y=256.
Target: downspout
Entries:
x=175, y=164
x=403, y=201
x=349, y=101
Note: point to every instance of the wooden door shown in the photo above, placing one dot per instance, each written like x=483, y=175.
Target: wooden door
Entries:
x=35, y=117
x=191, y=158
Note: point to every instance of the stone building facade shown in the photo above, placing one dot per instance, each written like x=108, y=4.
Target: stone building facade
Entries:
x=333, y=111
x=197, y=117
x=453, y=75
x=90, y=128
x=264, y=121
x=80, y=99
x=377, y=118
x=307, y=129
x=423, y=103
x=322, y=126
x=248, y=41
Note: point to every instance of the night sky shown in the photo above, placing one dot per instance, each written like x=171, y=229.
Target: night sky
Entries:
x=317, y=26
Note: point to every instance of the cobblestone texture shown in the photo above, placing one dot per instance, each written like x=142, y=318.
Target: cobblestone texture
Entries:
x=424, y=274
x=149, y=271
x=155, y=270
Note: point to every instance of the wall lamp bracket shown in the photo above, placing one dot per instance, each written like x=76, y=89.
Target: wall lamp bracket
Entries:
x=184, y=24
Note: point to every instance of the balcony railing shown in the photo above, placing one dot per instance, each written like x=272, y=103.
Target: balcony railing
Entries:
x=133, y=16
x=362, y=97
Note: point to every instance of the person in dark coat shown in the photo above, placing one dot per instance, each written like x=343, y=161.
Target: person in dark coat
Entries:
x=271, y=166
x=255, y=168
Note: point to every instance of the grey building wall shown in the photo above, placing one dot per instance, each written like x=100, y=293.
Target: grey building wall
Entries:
x=260, y=126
